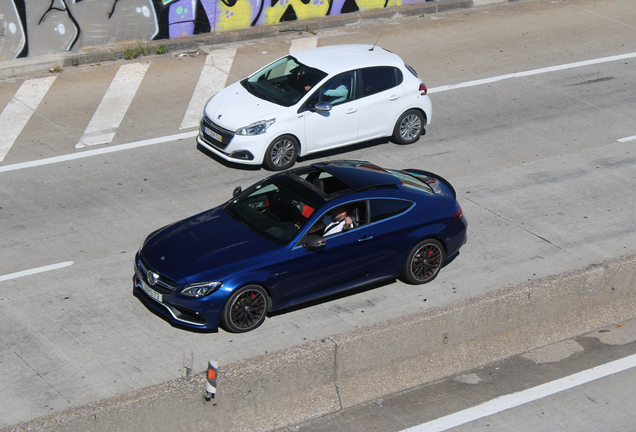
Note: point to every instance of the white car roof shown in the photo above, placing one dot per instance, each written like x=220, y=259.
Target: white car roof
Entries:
x=340, y=58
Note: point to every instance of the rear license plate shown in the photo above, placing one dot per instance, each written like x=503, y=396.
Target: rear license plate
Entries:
x=213, y=134
x=152, y=293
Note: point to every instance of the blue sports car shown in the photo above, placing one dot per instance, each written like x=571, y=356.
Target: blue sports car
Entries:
x=296, y=236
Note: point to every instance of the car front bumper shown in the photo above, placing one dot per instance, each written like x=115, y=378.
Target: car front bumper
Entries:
x=195, y=313
x=242, y=150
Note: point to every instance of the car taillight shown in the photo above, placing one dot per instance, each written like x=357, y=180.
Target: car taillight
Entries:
x=458, y=213
x=423, y=89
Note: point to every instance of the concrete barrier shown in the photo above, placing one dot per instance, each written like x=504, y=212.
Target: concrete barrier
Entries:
x=332, y=374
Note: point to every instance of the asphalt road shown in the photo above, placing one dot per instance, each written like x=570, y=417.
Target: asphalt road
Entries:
x=543, y=163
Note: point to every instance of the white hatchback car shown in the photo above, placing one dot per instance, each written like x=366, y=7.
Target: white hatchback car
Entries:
x=314, y=100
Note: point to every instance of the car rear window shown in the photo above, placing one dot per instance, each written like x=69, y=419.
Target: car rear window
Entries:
x=412, y=182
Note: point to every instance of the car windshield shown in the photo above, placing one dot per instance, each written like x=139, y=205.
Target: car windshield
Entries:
x=283, y=82
x=271, y=210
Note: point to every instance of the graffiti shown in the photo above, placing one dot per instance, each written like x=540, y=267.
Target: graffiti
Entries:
x=33, y=27
x=60, y=28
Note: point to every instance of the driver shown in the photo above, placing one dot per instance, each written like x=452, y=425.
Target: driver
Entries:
x=340, y=222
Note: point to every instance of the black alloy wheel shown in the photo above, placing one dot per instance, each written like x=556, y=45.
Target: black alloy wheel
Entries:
x=281, y=153
x=245, y=309
x=424, y=262
x=409, y=127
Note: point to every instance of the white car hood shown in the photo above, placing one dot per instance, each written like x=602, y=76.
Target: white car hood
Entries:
x=234, y=107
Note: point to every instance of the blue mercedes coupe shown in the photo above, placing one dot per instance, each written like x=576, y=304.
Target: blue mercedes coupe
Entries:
x=296, y=236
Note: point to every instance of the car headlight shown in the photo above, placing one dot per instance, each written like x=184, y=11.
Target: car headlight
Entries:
x=258, y=128
x=201, y=289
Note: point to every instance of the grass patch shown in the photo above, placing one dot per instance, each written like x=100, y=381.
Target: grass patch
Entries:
x=162, y=49
x=137, y=51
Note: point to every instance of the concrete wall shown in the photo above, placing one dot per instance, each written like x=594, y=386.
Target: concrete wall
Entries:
x=328, y=375
x=36, y=27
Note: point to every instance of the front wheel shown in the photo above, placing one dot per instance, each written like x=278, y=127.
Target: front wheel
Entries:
x=245, y=309
x=281, y=153
x=409, y=127
x=424, y=262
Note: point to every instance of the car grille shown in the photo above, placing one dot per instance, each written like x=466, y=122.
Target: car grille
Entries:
x=215, y=135
x=163, y=285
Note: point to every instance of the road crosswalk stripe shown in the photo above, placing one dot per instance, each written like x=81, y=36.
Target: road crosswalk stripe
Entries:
x=303, y=44
x=211, y=81
x=20, y=109
x=111, y=110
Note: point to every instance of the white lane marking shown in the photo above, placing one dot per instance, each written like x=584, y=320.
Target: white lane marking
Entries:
x=35, y=271
x=111, y=110
x=506, y=402
x=631, y=138
x=303, y=44
x=531, y=72
x=19, y=110
x=211, y=81
x=100, y=151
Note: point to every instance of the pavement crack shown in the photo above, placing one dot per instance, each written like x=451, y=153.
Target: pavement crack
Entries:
x=600, y=15
x=37, y=373
x=335, y=371
x=513, y=223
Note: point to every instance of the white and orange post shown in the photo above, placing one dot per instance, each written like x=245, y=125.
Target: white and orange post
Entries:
x=210, y=385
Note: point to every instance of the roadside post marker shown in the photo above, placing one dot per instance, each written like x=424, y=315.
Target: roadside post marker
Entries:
x=210, y=385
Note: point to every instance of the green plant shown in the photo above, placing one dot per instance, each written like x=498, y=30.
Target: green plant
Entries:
x=137, y=51
x=129, y=53
x=162, y=49
x=75, y=61
x=56, y=69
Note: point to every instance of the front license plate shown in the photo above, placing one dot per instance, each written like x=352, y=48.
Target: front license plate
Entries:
x=152, y=293
x=213, y=134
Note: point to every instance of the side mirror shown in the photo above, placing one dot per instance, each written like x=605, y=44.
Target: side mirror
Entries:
x=323, y=106
x=237, y=190
x=314, y=241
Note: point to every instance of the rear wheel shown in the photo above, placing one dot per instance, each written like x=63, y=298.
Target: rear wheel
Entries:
x=245, y=309
x=424, y=262
x=409, y=127
x=281, y=153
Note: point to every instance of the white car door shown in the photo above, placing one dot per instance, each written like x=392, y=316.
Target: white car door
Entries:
x=382, y=100
x=339, y=125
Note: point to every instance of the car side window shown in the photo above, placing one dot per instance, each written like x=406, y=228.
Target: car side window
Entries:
x=379, y=78
x=337, y=90
x=341, y=218
x=385, y=208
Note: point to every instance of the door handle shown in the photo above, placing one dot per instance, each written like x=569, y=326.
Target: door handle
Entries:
x=394, y=97
x=351, y=110
x=365, y=238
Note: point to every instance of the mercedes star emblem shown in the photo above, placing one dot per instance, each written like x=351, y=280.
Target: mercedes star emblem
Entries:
x=152, y=277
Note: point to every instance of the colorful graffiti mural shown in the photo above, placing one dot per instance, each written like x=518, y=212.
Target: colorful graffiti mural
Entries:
x=32, y=27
